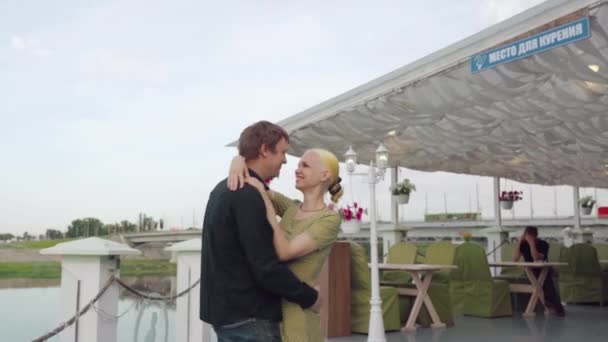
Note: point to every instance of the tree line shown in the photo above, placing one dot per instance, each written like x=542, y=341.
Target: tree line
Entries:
x=90, y=226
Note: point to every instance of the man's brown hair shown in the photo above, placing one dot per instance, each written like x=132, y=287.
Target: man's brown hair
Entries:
x=260, y=133
x=531, y=230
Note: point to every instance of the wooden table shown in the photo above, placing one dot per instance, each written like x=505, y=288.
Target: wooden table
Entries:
x=422, y=275
x=535, y=288
x=603, y=261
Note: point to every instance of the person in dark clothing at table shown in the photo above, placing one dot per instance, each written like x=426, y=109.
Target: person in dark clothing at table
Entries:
x=242, y=279
x=534, y=249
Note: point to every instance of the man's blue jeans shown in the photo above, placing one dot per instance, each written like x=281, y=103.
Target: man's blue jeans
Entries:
x=250, y=330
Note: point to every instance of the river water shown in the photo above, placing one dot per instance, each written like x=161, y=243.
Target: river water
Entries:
x=30, y=308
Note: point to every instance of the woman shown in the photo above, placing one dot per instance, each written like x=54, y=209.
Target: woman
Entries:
x=306, y=232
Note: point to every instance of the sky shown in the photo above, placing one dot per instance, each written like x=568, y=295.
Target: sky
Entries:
x=112, y=108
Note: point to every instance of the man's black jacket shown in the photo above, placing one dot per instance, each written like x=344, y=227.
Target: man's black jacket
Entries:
x=241, y=275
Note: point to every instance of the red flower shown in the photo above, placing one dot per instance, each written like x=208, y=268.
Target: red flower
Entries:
x=359, y=214
x=510, y=196
x=350, y=213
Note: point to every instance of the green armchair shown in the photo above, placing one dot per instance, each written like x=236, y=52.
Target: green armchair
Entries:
x=510, y=274
x=602, y=254
x=472, y=290
x=399, y=253
x=361, y=294
x=555, y=250
x=438, y=253
x=582, y=281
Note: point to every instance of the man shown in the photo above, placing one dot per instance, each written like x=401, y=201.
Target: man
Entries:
x=242, y=280
x=534, y=249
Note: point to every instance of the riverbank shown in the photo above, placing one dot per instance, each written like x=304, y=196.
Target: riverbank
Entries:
x=52, y=269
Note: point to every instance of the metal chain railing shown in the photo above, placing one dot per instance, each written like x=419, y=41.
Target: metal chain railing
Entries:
x=106, y=316
x=497, y=247
x=112, y=318
x=167, y=298
x=84, y=310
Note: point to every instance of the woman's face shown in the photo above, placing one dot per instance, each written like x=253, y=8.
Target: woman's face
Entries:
x=311, y=171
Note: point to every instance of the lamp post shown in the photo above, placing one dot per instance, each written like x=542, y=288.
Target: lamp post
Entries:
x=375, y=174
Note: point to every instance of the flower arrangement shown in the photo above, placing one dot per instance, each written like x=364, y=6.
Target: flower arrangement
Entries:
x=586, y=202
x=403, y=188
x=510, y=196
x=354, y=212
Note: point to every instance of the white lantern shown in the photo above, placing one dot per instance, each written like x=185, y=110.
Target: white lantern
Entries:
x=382, y=158
x=351, y=160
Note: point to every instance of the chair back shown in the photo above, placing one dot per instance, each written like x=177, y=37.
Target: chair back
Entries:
x=602, y=250
x=402, y=253
x=555, y=250
x=583, y=260
x=360, y=275
x=506, y=252
x=472, y=263
x=440, y=253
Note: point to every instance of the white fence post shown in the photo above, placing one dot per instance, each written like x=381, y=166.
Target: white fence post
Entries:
x=91, y=262
x=188, y=326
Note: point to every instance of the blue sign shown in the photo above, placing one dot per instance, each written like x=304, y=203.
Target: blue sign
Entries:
x=564, y=34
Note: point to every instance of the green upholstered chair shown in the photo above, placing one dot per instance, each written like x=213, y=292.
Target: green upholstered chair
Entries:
x=399, y=253
x=438, y=253
x=472, y=290
x=510, y=274
x=555, y=250
x=440, y=296
x=602, y=254
x=582, y=281
x=361, y=288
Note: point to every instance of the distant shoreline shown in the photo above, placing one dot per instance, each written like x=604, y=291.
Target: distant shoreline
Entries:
x=48, y=269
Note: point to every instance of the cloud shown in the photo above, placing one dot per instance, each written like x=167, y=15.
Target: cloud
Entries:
x=279, y=38
x=18, y=43
x=495, y=11
x=116, y=65
x=29, y=45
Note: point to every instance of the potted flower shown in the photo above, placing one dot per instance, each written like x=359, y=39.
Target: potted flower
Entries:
x=351, y=218
x=586, y=204
x=507, y=198
x=401, y=191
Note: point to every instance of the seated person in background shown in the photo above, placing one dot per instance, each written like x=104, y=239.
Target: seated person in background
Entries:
x=534, y=249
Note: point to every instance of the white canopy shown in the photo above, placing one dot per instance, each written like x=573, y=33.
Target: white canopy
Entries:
x=541, y=119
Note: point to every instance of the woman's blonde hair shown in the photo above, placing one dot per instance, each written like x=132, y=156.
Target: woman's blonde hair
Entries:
x=331, y=162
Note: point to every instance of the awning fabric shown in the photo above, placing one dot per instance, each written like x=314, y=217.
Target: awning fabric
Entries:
x=541, y=119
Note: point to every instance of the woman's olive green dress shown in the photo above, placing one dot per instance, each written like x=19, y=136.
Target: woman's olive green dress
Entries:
x=303, y=325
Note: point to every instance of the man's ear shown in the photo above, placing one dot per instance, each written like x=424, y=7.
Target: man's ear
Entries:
x=264, y=151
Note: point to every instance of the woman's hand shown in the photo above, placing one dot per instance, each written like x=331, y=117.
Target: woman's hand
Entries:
x=256, y=184
x=237, y=174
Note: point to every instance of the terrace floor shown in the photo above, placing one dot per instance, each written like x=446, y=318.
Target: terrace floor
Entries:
x=582, y=324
